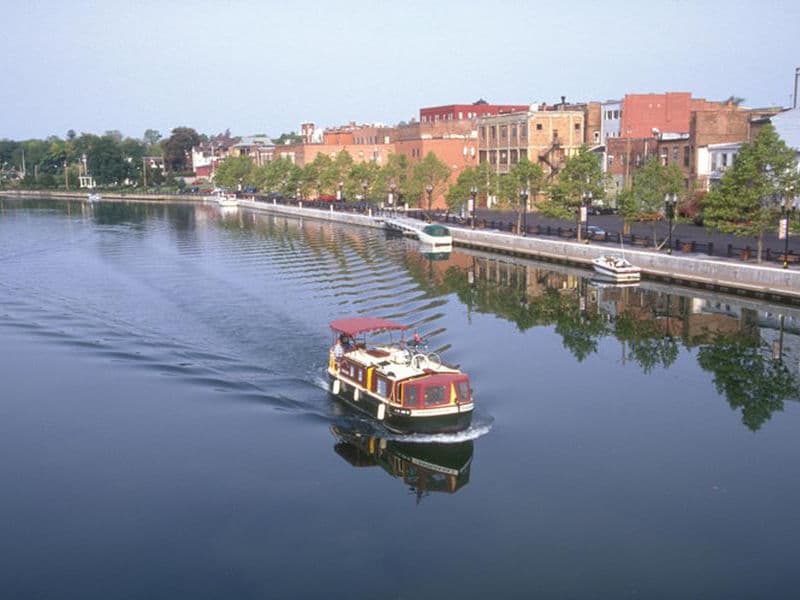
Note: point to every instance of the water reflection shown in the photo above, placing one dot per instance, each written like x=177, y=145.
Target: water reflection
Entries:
x=750, y=348
x=423, y=467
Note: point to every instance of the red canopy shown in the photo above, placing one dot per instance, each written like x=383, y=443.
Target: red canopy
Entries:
x=356, y=325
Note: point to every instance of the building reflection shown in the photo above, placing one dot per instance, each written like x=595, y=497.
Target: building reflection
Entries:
x=423, y=467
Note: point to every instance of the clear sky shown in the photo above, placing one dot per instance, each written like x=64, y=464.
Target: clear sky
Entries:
x=266, y=66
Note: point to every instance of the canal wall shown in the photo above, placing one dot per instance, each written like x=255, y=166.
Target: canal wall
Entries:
x=83, y=196
x=693, y=271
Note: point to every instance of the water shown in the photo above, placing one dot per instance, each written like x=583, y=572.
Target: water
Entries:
x=166, y=432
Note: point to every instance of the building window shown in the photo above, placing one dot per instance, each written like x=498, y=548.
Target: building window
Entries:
x=493, y=132
x=513, y=133
x=616, y=114
x=724, y=158
x=577, y=126
x=492, y=157
x=503, y=132
x=523, y=131
x=514, y=157
x=686, y=153
x=503, y=157
x=538, y=127
x=675, y=154
x=610, y=160
x=482, y=156
x=555, y=134
x=483, y=132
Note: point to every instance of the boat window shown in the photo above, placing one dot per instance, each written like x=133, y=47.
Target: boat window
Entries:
x=463, y=390
x=435, y=395
x=410, y=395
x=381, y=386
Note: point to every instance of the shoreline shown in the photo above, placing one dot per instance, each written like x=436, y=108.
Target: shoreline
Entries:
x=694, y=271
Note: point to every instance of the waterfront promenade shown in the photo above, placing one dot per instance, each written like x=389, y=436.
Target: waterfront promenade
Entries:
x=694, y=270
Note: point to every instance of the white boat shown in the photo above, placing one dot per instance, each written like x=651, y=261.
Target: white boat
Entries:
x=94, y=197
x=616, y=268
x=435, y=235
x=227, y=200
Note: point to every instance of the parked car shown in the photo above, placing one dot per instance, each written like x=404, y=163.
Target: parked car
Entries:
x=595, y=231
x=327, y=198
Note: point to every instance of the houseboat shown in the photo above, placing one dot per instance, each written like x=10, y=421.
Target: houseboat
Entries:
x=616, y=268
x=436, y=236
x=424, y=467
x=406, y=390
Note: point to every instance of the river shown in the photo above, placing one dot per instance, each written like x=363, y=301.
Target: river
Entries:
x=166, y=430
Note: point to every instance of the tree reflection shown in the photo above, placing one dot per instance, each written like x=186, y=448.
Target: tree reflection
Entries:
x=648, y=346
x=749, y=380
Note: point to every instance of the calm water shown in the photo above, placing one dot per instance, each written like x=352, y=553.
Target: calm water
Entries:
x=165, y=429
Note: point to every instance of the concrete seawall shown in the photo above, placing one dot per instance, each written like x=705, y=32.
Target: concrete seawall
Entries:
x=694, y=271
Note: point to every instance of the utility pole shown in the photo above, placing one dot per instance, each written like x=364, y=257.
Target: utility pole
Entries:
x=66, y=177
x=796, y=76
x=144, y=173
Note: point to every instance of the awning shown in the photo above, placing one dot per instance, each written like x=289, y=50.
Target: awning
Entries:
x=356, y=325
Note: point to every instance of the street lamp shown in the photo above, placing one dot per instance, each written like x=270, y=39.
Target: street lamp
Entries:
x=670, y=201
x=586, y=202
x=523, y=200
x=339, y=191
x=783, y=226
x=392, y=190
x=473, y=192
x=297, y=194
x=363, y=190
x=429, y=189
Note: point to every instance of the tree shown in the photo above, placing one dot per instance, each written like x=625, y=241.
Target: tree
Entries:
x=651, y=183
x=105, y=161
x=429, y=172
x=745, y=201
x=177, y=148
x=281, y=176
x=396, y=172
x=360, y=174
x=234, y=172
x=151, y=137
x=582, y=175
x=524, y=177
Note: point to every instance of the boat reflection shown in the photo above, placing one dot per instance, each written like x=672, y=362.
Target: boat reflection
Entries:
x=424, y=467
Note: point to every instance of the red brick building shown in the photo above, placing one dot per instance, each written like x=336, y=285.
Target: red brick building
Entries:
x=459, y=112
x=669, y=112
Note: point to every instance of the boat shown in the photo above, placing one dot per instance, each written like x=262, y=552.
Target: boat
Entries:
x=435, y=235
x=616, y=268
x=423, y=467
x=94, y=197
x=407, y=391
x=227, y=200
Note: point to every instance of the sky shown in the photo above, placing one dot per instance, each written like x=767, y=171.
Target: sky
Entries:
x=267, y=66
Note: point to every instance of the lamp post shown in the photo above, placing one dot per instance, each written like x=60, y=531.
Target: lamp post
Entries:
x=670, y=201
x=364, y=190
x=392, y=190
x=473, y=192
x=523, y=200
x=297, y=194
x=586, y=201
x=339, y=191
x=783, y=225
x=429, y=189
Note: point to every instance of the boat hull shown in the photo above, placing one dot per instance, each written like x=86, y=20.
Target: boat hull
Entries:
x=395, y=419
x=610, y=275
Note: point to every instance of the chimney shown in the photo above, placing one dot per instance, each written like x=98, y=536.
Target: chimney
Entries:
x=563, y=102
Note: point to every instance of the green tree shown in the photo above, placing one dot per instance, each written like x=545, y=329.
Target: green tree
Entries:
x=431, y=173
x=360, y=174
x=396, y=172
x=582, y=175
x=106, y=162
x=234, y=172
x=744, y=203
x=177, y=149
x=651, y=183
x=280, y=175
x=524, y=177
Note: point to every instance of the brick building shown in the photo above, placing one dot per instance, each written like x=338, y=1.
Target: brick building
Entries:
x=547, y=135
x=459, y=112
